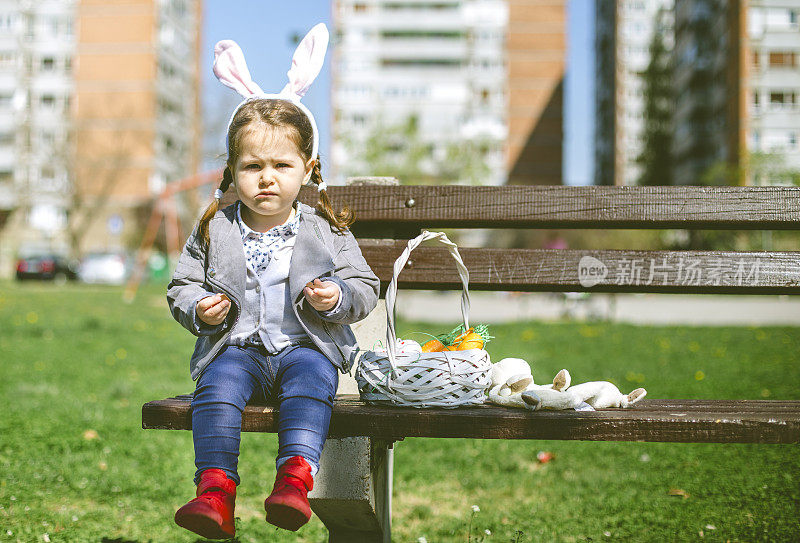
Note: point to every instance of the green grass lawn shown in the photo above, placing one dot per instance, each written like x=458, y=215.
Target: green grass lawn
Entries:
x=77, y=365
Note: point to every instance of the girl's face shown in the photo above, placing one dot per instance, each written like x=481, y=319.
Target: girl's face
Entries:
x=268, y=174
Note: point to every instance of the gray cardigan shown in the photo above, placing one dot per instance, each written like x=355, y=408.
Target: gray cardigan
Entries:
x=320, y=251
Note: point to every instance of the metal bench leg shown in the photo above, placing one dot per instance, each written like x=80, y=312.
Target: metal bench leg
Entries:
x=353, y=490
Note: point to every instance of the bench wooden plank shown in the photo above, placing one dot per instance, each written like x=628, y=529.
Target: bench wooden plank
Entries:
x=699, y=272
x=679, y=421
x=387, y=208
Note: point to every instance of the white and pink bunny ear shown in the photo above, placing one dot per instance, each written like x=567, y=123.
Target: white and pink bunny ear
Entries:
x=307, y=61
x=231, y=69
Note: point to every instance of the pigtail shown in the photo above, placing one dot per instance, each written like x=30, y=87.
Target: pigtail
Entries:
x=211, y=210
x=340, y=220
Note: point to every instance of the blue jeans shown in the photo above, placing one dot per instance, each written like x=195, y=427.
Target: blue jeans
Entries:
x=300, y=379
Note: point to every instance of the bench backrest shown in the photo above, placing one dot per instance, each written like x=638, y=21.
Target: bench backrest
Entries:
x=389, y=215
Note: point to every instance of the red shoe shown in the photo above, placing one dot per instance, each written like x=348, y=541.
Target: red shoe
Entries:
x=210, y=514
x=287, y=507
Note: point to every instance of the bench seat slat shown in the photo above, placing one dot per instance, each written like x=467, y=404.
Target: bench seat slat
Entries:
x=682, y=421
x=701, y=272
x=389, y=208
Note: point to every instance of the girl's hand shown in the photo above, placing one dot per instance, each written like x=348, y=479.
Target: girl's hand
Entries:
x=322, y=295
x=213, y=309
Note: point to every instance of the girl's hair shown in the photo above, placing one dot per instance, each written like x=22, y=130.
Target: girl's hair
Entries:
x=287, y=118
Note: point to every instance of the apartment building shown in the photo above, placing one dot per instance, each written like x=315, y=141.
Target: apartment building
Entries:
x=37, y=58
x=483, y=71
x=773, y=83
x=99, y=108
x=736, y=68
x=441, y=61
x=624, y=32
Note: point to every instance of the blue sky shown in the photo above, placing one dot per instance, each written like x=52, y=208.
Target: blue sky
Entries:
x=264, y=30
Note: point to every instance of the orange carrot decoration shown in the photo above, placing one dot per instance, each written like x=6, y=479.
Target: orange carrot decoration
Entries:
x=475, y=337
x=473, y=340
x=433, y=346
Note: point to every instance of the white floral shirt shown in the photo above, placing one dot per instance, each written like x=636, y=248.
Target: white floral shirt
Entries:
x=260, y=246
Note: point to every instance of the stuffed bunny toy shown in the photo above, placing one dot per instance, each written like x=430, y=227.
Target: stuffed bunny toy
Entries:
x=513, y=386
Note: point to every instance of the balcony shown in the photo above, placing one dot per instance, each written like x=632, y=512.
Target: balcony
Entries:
x=423, y=48
x=438, y=67
x=422, y=21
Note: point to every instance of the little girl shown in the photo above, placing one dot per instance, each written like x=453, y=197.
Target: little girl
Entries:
x=270, y=286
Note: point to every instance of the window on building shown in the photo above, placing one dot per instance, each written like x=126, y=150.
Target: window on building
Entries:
x=782, y=59
x=180, y=9
x=47, y=173
x=359, y=7
x=779, y=18
x=437, y=6
x=421, y=62
x=792, y=139
x=782, y=99
x=169, y=144
x=7, y=21
x=422, y=34
x=6, y=176
x=48, y=138
x=756, y=60
x=7, y=59
x=47, y=100
x=52, y=26
x=48, y=64
x=68, y=65
x=168, y=106
x=6, y=138
x=167, y=35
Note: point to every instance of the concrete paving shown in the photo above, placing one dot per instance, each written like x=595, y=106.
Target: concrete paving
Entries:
x=704, y=310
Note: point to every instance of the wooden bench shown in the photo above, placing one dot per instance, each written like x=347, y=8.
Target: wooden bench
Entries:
x=355, y=504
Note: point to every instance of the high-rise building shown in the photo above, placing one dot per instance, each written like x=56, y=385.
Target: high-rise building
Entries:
x=484, y=71
x=37, y=59
x=773, y=88
x=442, y=62
x=624, y=32
x=99, y=107
x=737, y=71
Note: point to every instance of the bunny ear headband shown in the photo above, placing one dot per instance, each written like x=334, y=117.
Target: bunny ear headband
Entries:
x=231, y=69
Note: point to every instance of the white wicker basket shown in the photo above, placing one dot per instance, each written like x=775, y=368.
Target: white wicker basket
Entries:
x=443, y=379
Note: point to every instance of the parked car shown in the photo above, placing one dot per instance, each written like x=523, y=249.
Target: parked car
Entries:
x=48, y=267
x=109, y=268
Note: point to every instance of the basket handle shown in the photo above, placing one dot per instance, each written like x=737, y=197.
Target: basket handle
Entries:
x=391, y=291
